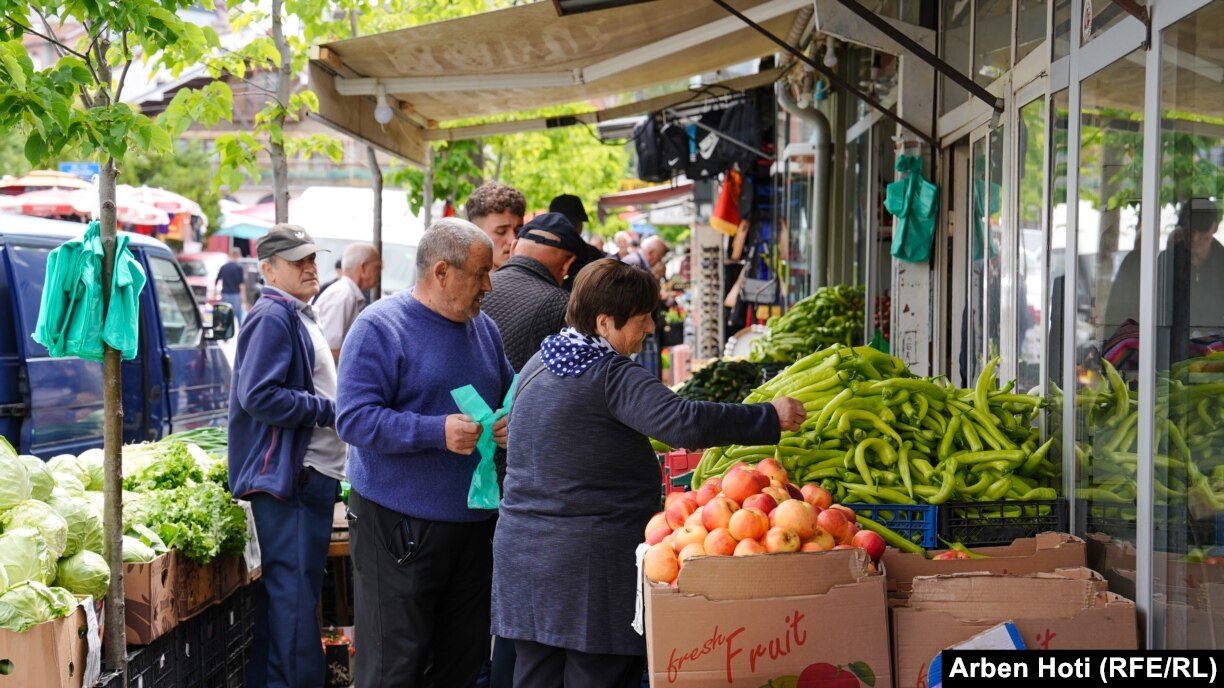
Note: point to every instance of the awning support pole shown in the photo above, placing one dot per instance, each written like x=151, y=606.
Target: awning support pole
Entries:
x=925, y=55
x=830, y=75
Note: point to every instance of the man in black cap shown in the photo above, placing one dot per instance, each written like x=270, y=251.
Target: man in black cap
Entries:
x=285, y=456
x=571, y=207
x=527, y=301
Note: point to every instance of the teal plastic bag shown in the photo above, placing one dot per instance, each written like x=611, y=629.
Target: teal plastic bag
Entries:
x=914, y=201
x=484, y=492
x=70, y=317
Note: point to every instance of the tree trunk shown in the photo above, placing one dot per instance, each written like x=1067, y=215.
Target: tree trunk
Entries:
x=377, y=185
x=428, y=191
x=276, y=146
x=114, y=635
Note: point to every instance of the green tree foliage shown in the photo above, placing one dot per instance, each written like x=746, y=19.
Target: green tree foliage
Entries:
x=187, y=171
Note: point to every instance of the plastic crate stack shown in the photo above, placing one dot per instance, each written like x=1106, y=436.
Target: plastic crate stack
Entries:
x=677, y=469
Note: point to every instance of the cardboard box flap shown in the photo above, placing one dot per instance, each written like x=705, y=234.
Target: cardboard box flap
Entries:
x=979, y=596
x=785, y=575
x=1043, y=552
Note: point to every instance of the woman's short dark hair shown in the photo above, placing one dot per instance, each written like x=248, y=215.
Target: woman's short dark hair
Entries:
x=610, y=287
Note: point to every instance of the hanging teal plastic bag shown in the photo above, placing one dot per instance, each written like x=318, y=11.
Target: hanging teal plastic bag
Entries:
x=914, y=201
x=70, y=317
x=484, y=492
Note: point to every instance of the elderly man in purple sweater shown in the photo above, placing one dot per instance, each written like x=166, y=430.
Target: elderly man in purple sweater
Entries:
x=423, y=560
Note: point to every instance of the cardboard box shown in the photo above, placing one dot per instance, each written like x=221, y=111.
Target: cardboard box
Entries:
x=149, y=592
x=195, y=586
x=55, y=654
x=744, y=621
x=1043, y=552
x=1069, y=609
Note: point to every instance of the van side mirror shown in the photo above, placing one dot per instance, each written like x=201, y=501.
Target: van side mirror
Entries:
x=222, y=327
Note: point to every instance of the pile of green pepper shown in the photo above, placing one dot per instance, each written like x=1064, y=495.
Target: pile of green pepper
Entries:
x=832, y=315
x=876, y=433
x=722, y=380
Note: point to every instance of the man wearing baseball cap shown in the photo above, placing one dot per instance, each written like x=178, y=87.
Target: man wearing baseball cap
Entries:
x=285, y=456
x=571, y=207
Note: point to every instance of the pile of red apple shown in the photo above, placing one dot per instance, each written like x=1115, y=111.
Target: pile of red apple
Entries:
x=750, y=510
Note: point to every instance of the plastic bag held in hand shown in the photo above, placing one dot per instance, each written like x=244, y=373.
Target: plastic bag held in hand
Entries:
x=484, y=492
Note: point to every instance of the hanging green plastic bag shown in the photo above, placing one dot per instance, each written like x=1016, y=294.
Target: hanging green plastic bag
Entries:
x=878, y=342
x=484, y=492
x=914, y=201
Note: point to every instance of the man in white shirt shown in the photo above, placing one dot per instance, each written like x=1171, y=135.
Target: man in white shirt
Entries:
x=338, y=307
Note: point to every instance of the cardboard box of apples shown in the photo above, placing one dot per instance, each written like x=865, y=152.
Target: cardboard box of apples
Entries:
x=744, y=579
x=751, y=511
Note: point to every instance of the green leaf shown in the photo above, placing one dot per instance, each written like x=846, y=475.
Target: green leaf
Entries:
x=35, y=148
x=13, y=67
x=863, y=671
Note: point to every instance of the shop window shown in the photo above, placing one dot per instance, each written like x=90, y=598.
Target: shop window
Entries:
x=985, y=241
x=992, y=32
x=1189, y=325
x=1102, y=16
x=1106, y=336
x=1031, y=17
x=955, y=22
x=1062, y=29
x=1057, y=253
x=1030, y=250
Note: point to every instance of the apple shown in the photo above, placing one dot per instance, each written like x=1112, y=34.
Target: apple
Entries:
x=656, y=536
x=780, y=539
x=845, y=510
x=661, y=564
x=779, y=494
x=794, y=491
x=688, y=535
x=852, y=529
x=822, y=539
x=680, y=509
x=693, y=549
x=659, y=520
x=694, y=518
x=717, y=513
x=669, y=540
x=720, y=541
x=832, y=521
x=748, y=547
x=824, y=675
x=870, y=541
x=748, y=524
x=798, y=516
x=708, y=490
x=811, y=546
x=817, y=496
x=671, y=498
x=741, y=483
x=761, y=501
x=773, y=470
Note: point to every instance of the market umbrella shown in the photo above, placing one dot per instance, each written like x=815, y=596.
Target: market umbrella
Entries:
x=127, y=211
x=161, y=199
x=42, y=203
x=43, y=179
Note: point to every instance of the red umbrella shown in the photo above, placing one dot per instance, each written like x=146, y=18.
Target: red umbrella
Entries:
x=127, y=211
x=161, y=199
x=44, y=203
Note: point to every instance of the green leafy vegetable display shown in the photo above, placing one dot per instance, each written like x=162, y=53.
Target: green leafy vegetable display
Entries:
x=30, y=603
x=24, y=556
x=159, y=465
x=41, y=517
x=84, y=573
x=41, y=480
x=201, y=521
x=84, y=522
x=14, y=482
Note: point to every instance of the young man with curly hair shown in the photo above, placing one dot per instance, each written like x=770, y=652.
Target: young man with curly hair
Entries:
x=498, y=210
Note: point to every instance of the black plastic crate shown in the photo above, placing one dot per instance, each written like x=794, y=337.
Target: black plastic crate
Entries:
x=188, y=669
x=110, y=679
x=153, y=665
x=1173, y=530
x=237, y=619
x=981, y=524
x=212, y=639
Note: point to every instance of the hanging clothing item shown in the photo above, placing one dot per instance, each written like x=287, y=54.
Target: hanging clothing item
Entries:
x=70, y=319
x=914, y=201
x=726, y=217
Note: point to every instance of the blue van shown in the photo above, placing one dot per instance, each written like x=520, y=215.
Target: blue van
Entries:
x=180, y=379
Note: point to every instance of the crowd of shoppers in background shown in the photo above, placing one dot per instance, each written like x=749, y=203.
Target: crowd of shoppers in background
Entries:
x=328, y=387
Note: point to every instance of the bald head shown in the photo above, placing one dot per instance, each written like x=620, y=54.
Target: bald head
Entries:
x=654, y=248
x=557, y=260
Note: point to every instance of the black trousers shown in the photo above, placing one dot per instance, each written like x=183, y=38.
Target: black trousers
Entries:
x=422, y=594
x=545, y=666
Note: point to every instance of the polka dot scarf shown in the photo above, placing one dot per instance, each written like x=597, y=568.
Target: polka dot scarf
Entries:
x=570, y=353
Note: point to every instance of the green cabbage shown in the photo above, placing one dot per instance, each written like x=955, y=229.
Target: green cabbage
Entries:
x=14, y=482
x=38, y=515
x=24, y=556
x=68, y=464
x=28, y=604
x=69, y=482
x=41, y=479
x=148, y=537
x=84, y=573
x=91, y=461
x=136, y=552
x=84, y=522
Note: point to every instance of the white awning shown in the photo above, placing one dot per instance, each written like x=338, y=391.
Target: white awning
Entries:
x=527, y=57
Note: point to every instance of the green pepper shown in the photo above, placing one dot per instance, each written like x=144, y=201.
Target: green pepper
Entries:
x=903, y=466
x=949, y=483
x=945, y=444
